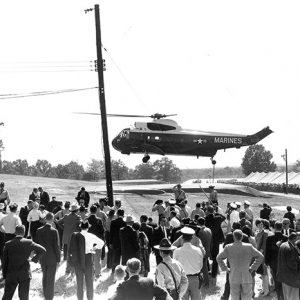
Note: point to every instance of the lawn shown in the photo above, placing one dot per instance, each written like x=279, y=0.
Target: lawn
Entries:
x=20, y=187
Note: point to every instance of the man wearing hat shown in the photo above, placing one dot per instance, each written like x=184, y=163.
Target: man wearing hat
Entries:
x=139, y=288
x=129, y=241
x=172, y=203
x=70, y=223
x=82, y=247
x=213, y=194
x=170, y=273
x=191, y=259
x=234, y=215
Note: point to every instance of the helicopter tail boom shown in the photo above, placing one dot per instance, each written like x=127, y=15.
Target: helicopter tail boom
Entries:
x=255, y=138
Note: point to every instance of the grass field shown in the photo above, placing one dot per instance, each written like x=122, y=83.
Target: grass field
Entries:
x=20, y=187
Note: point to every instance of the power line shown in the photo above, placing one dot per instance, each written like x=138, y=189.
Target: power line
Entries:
x=44, y=93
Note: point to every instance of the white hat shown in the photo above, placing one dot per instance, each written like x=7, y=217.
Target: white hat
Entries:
x=74, y=207
x=187, y=230
x=238, y=203
x=172, y=201
x=129, y=219
x=247, y=202
x=233, y=205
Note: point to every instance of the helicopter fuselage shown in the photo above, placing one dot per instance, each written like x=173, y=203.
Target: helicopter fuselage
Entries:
x=166, y=137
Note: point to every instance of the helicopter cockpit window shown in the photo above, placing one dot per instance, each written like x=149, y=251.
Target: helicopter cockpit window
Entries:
x=160, y=127
x=124, y=133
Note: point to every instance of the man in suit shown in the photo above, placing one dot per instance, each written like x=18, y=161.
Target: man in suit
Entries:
x=286, y=230
x=213, y=221
x=44, y=197
x=71, y=224
x=147, y=229
x=82, y=245
x=47, y=236
x=23, y=214
x=114, y=238
x=97, y=229
x=83, y=194
x=229, y=240
x=16, y=268
x=139, y=288
x=288, y=268
x=271, y=255
x=34, y=196
x=129, y=241
x=205, y=235
x=240, y=256
x=159, y=233
x=52, y=205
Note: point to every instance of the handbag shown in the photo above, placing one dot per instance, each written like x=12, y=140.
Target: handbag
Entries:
x=173, y=293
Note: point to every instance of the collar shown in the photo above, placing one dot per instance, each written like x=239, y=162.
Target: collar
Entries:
x=134, y=277
x=187, y=244
x=167, y=258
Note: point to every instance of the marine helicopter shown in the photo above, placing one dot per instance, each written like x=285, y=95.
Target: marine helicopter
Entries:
x=164, y=136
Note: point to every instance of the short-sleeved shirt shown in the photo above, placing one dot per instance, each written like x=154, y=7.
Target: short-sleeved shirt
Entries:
x=9, y=222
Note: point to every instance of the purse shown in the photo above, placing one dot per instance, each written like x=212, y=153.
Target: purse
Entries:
x=173, y=293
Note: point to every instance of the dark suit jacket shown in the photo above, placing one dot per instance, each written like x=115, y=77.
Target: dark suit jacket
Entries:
x=213, y=222
x=15, y=258
x=32, y=197
x=139, y=288
x=288, y=265
x=148, y=231
x=158, y=235
x=23, y=214
x=76, y=253
x=85, y=196
x=47, y=236
x=114, y=237
x=44, y=198
x=271, y=253
x=129, y=243
x=96, y=226
x=51, y=205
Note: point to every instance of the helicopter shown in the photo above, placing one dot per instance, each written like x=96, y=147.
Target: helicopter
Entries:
x=164, y=136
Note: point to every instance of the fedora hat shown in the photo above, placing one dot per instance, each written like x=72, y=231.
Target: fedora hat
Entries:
x=129, y=219
x=165, y=244
x=172, y=201
x=74, y=207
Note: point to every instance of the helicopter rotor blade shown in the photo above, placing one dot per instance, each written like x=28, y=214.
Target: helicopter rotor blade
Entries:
x=154, y=116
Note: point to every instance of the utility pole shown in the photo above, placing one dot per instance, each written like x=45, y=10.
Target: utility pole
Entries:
x=109, y=187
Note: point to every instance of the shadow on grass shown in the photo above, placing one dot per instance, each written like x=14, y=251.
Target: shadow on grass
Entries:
x=103, y=286
x=66, y=285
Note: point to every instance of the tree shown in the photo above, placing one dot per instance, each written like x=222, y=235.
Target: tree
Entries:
x=20, y=167
x=95, y=170
x=166, y=170
x=75, y=171
x=61, y=171
x=7, y=167
x=257, y=159
x=43, y=168
x=144, y=171
x=119, y=171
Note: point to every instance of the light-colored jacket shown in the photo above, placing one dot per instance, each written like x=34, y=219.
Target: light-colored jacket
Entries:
x=240, y=256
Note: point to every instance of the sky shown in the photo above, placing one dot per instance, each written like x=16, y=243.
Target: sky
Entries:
x=225, y=66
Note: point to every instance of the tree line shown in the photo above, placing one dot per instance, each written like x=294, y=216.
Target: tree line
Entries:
x=163, y=169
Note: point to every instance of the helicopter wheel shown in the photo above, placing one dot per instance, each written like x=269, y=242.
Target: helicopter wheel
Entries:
x=146, y=158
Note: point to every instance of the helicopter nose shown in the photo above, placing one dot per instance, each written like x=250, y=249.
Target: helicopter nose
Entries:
x=115, y=143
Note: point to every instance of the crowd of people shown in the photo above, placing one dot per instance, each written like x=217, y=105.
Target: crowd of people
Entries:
x=185, y=242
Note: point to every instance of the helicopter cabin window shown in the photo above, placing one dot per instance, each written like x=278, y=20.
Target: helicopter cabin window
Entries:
x=160, y=127
x=153, y=138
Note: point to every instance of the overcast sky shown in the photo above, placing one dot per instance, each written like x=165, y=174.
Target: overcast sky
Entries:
x=227, y=66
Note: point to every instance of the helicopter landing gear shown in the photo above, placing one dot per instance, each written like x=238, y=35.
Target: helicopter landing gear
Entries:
x=213, y=173
x=146, y=158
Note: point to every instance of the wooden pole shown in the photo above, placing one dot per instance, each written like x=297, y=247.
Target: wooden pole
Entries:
x=109, y=187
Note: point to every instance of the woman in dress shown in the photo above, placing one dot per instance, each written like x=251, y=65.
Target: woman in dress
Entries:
x=143, y=254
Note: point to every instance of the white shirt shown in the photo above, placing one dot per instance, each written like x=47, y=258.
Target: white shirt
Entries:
x=234, y=217
x=190, y=257
x=9, y=222
x=90, y=241
x=34, y=215
x=174, y=222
